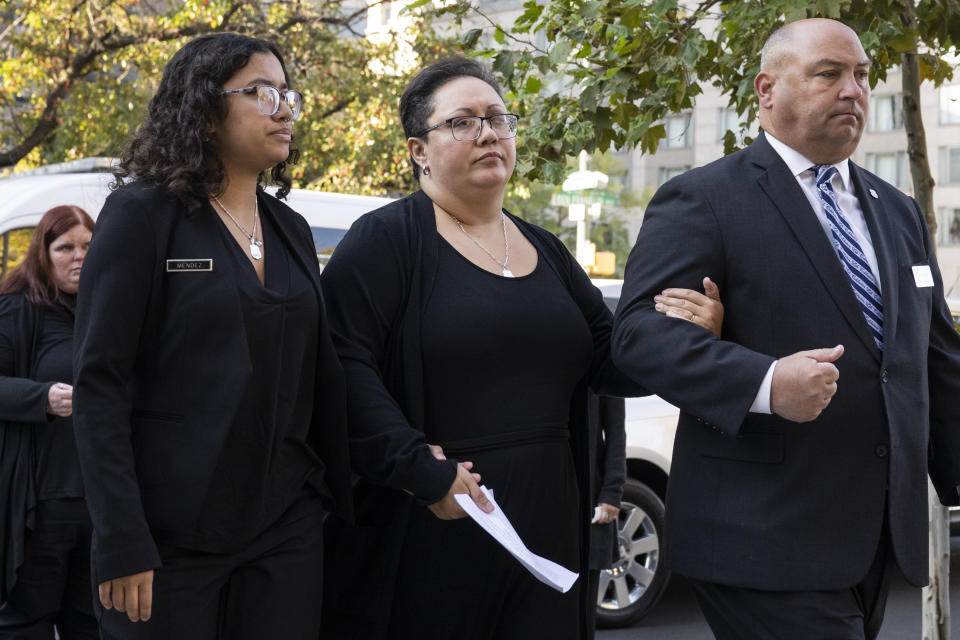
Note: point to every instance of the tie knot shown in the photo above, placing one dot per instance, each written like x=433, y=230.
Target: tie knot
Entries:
x=824, y=173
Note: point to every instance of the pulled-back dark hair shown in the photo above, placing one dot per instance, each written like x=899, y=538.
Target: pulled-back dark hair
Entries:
x=35, y=273
x=172, y=147
x=416, y=103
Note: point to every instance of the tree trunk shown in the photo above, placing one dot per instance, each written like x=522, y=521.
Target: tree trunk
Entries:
x=916, y=135
x=936, y=596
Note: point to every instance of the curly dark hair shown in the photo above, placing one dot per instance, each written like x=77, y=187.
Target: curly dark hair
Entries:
x=416, y=103
x=172, y=147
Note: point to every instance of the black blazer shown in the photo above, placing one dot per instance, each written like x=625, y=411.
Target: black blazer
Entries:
x=754, y=500
x=160, y=357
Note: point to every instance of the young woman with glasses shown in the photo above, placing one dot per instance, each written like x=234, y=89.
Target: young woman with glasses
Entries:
x=209, y=402
x=469, y=338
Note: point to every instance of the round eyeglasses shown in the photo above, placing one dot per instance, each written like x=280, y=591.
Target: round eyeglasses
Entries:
x=268, y=99
x=468, y=128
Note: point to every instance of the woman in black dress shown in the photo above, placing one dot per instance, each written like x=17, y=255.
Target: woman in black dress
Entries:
x=462, y=326
x=210, y=409
x=46, y=530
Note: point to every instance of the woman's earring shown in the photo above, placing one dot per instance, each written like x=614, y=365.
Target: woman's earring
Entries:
x=425, y=171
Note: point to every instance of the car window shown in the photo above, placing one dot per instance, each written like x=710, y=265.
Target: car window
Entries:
x=13, y=248
x=325, y=240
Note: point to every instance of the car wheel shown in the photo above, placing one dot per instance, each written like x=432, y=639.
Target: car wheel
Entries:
x=629, y=589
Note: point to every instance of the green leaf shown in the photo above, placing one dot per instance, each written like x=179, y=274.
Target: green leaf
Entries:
x=533, y=85
x=499, y=36
x=560, y=52
x=469, y=39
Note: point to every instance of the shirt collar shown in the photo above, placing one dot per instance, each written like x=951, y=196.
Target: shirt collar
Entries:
x=797, y=163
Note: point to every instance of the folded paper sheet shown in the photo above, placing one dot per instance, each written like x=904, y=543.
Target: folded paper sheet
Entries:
x=498, y=526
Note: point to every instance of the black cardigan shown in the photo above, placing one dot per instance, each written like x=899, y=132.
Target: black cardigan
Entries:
x=377, y=284
x=23, y=403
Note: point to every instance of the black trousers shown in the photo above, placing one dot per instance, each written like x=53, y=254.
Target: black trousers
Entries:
x=272, y=589
x=855, y=613
x=53, y=584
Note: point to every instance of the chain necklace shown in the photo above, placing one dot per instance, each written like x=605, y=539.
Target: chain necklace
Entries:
x=254, y=243
x=506, y=245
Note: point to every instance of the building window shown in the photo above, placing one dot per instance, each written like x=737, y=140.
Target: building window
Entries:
x=679, y=131
x=950, y=104
x=671, y=172
x=948, y=225
x=886, y=113
x=949, y=165
x=727, y=120
x=892, y=167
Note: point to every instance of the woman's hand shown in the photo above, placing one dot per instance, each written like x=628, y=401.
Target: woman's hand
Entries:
x=704, y=309
x=465, y=482
x=604, y=513
x=131, y=594
x=60, y=400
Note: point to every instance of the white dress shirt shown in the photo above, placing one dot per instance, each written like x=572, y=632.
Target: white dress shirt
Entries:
x=850, y=206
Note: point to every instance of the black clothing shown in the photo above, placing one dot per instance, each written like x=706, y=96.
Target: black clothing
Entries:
x=47, y=567
x=53, y=584
x=757, y=501
x=379, y=283
x=265, y=461
x=269, y=590
x=23, y=404
x=608, y=433
x=497, y=390
x=58, y=469
x=163, y=363
x=854, y=613
x=493, y=372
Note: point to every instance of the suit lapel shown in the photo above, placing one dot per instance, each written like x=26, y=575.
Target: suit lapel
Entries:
x=787, y=196
x=878, y=222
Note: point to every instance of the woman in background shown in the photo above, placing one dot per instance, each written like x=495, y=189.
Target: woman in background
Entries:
x=45, y=587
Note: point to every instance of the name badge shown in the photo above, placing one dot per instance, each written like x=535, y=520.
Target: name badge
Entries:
x=922, y=275
x=189, y=264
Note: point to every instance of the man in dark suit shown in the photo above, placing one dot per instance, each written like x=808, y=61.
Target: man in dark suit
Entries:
x=807, y=432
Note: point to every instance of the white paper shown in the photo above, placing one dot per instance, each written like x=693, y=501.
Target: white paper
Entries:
x=923, y=276
x=498, y=526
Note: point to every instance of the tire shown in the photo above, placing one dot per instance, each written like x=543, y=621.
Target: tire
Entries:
x=629, y=590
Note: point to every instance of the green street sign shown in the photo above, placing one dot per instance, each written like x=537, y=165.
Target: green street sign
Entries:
x=564, y=199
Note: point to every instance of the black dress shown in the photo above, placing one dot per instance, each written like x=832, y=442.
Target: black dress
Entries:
x=502, y=358
x=380, y=287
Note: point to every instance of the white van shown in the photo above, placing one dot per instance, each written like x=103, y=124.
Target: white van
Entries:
x=24, y=197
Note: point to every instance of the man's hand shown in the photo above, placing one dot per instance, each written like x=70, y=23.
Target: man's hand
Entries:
x=804, y=383
x=60, y=400
x=465, y=482
x=130, y=594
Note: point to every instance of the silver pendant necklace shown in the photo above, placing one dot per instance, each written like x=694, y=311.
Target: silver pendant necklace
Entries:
x=506, y=245
x=255, y=244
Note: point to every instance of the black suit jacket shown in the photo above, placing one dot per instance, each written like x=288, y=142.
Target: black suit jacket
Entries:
x=161, y=358
x=755, y=500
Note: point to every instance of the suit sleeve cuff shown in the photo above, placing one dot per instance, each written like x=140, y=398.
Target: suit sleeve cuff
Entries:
x=761, y=404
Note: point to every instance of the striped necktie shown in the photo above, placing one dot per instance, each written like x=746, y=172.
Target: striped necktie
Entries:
x=851, y=256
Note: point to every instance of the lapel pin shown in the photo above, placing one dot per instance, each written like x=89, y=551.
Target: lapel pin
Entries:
x=874, y=193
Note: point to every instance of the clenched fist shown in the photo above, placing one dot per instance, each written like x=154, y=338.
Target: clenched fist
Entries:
x=804, y=383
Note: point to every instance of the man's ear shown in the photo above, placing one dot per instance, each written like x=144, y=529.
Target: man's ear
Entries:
x=763, y=84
